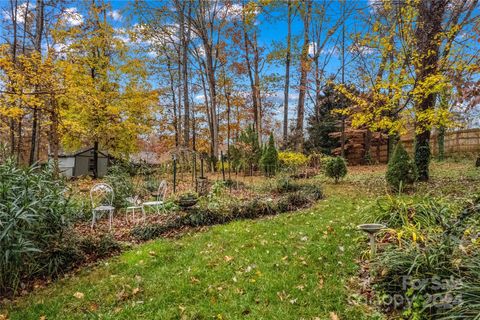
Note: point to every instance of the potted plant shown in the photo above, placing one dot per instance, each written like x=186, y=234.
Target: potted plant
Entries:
x=187, y=200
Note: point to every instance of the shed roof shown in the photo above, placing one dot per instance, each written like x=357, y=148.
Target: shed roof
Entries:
x=79, y=152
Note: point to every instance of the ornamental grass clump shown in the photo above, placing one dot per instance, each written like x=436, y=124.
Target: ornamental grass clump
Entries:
x=34, y=216
x=429, y=255
x=401, y=169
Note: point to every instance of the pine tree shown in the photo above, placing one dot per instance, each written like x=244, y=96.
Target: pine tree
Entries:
x=323, y=122
x=401, y=169
x=269, y=159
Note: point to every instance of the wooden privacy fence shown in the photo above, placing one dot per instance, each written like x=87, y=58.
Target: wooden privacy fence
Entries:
x=459, y=142
x=465, y=141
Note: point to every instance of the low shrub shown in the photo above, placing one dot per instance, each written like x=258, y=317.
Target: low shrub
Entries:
x=226, y=166
x=401, y=170
x=60, y=257
x=235, y=184
x=297, y=199
x=313, y=191
x=315, y=160
x=284, y=184
x=335, y=168
x=292, y=160
x=151, y=185
x=256, y=208
x=102, y=247
x=122, y=184
x=148, y=232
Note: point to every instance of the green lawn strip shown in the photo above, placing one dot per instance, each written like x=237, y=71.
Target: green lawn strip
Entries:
x=291, y=266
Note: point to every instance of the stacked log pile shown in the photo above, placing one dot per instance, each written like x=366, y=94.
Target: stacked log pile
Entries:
x=363, y=146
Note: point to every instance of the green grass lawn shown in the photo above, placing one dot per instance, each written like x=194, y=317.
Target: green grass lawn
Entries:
x=289, y=267
x=292, y=266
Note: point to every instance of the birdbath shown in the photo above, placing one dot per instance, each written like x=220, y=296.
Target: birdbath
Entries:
x=371, y=229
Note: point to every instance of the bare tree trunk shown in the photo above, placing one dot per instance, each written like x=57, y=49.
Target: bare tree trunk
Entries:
x=256, y=70
x=246, y=42
x=213, y=99
x=304, y=67
x=208, y=109
x=287, y=73
x=14, y=12
x=54, y=139
x=186, y=101
x=34, y=143
x=179, y=95
x=174, y=100
x=227, y=99
x=194, y=129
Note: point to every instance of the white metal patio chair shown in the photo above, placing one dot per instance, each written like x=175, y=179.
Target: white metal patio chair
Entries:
x=101, y=197
x=160, y=198
x=135, y=204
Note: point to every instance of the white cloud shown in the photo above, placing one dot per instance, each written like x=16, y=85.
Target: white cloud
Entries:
x=234, y=11
x=72, y=17
x=199, y=98
x=122, y=35
x=62, y=48
x=22, y=12
x=164, y=37
x=363, y=50
x=201, y=51
x=375, y=5
x=115, y=15
x=152, y=54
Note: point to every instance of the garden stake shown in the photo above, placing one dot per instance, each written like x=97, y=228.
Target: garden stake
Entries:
x=223, y=167
x=174, y=173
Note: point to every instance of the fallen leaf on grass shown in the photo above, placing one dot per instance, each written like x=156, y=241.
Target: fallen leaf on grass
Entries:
x=320, y=283
x=333, y=316
x=228, y=258
x=135, y=291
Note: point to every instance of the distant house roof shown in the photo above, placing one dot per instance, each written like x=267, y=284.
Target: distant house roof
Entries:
x=146, y=157
x=79, y=152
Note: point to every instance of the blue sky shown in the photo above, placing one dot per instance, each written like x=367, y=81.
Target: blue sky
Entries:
x=276, y=29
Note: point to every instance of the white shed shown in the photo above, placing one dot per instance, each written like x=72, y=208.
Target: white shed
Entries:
x=81, y=163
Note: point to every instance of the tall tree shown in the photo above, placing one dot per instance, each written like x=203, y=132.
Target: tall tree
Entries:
x=305, y=12
x=287, y=71
x=35, y=136
x=109, y=99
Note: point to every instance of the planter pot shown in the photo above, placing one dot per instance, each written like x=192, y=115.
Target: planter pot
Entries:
x=187, y=203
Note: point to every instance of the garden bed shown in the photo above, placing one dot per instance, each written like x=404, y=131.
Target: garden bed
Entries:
x=87, y=246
